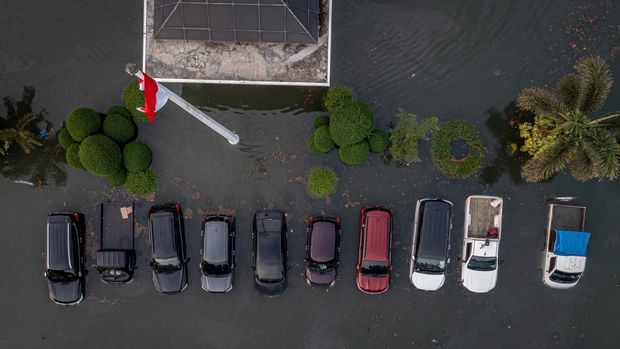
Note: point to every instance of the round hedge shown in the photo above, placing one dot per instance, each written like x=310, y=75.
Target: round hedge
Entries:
x=311, y=146
x=321, y=181
x=378, y=141
x=83, y=122
x=351, y=123
x=118, y=179
x=73, y=157
x=320, y=121
x=141, y=182
x=64, y=139
x=354, y=154
x=100, y=155
x=337, y=97
x=323, y=140
x=134, y=98
x=119, y=109
x=137, y=156
x=441, y=148
x=119, y=128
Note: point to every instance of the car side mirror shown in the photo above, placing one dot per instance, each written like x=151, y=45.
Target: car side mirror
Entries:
x=186, y=260
x=45, y=274
x=501, y=261
x=151, y=263
x=448, y=260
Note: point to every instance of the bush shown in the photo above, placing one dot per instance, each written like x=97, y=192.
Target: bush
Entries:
x=64, y=139
x=119, y=109
x=118, y=179
x=137, y=156
x=441, y=148
x=100, y=155
x=119, y=128
x=322, y=140
x=311, y=145
x=73, y=157
x=141, y=182
x=351, y=123
x=378, y=141
x=354, y=154
x=134, y=98
x=83, y=122
x=337, y=97
x=321, y=181
x=320, y=121
x=407, y=134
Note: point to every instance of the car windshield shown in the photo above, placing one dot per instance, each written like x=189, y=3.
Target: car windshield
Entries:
x=167, y=265
x=430, y=266
x=60, y=276
x=482, y=263
x=321, y=267
x=215, y=269
x=565, y=278
x=374, y=268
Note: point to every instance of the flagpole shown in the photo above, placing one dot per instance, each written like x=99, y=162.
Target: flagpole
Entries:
x=231, y=136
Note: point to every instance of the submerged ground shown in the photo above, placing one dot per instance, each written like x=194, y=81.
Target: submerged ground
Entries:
x=428, y=57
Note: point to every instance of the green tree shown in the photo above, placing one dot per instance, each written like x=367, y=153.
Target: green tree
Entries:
x=407, y=134
x=19, y=134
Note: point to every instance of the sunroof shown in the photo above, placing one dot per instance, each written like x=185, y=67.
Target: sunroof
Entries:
x=292, y=21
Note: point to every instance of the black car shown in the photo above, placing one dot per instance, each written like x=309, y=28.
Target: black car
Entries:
x=269, y=252
x=322, y=250
x=218, y=253
x=64, y=267
x=168, y=255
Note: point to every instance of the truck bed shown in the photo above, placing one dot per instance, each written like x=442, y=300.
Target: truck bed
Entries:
x=483, y=216
x=116, y=232
x=566, y=217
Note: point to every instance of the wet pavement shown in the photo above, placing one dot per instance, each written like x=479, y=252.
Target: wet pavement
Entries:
x=427, y=57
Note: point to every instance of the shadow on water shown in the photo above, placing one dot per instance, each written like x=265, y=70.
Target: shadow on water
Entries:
x=504, y=125
x=40, y=166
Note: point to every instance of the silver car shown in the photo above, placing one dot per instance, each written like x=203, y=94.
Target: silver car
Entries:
x=218, y=253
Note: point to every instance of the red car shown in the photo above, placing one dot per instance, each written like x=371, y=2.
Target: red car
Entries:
x=374, y=263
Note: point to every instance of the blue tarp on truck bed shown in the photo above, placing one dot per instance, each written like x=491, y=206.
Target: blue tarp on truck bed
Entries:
x=571, y=243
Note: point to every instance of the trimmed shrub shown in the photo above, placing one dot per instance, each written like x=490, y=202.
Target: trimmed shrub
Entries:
x=320, y=121
x=64, y=139
x=378, y=141
x=321, y=182
x=351, y=123
x=73, y=157
x=119, y=109
x=134, y=98
x=311, y=146
x=118, y=179
x=137, y=156
x=441, y=148
x=337, y=97
x=354, y=154
x=141, y=182
x=407, y=134
x=119, y=128
x=322, y=140
x=100, y=155
x=83, y=122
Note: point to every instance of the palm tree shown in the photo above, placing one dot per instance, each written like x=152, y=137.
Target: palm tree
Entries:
x=19, y=134
x=587, y=146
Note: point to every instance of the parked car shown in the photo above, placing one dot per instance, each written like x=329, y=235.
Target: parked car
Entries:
x=374, y=263
x=218, y=253
x=116, y=257
x=64, y=266
x=322, y=250
x=431, y=243
x=269, y=253
x=483, y=231
x=167, y=242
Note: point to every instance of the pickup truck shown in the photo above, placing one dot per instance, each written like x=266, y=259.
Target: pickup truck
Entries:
x=566, y=245
x=116, y=257
x=483, y=230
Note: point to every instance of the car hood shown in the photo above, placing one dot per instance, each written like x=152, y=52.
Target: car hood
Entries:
x=217, y=283
x=478, y=281
x=66, y=292
x=373, y=284
x=427, y=282
x=321, y=279
x=170, y=282
x=270, y=288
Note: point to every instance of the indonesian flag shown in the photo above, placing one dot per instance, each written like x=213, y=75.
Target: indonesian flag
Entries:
x=155, y=95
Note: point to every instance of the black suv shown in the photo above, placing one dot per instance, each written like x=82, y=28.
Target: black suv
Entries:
x=64, y=266
x=168, y=255
x=269, y=252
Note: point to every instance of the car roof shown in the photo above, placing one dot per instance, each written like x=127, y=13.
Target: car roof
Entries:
x=162, y=234
x=323, y=242
x=269, y=256
x=58, y=240
x=377, y=237
x=215, y=243
x=435, y=229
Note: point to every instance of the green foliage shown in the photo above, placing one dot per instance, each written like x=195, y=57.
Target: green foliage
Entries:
x=73, y=157
x=119, y=109
x=321, y=182
x=311, y=146
x=536, y=135
x=83, y=122
x=137, y=156
x=351, y=123
x=134, y=98
x=322, y=140
x=100, y=155
x=19, y=134
x=118, y=127
x=354, y=154
x=337, y=97
x=320, y=121
x=442, y=150
x=118, y=179
x=64, y=139
x=378, y=141
x=407, y=134
x=141, y=182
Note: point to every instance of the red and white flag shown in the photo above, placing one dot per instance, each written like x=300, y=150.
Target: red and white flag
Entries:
x=155, y=95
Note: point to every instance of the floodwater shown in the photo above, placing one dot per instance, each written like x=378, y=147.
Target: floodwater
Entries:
x=465, y=59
